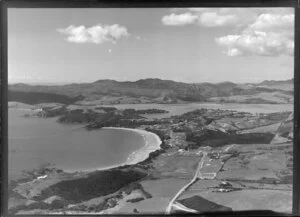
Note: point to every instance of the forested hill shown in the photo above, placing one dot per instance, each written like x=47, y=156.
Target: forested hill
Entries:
x=154, y=91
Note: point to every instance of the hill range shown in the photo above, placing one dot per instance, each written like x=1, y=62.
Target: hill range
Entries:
x=154, y=91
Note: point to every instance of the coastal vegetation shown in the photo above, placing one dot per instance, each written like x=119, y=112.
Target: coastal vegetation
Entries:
x=109, y=116
x=94, y=185
x=218, y=138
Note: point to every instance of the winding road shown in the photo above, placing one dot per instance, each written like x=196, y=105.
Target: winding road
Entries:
x=194, y=179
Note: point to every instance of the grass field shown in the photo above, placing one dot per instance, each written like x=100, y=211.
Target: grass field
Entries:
x=247, y=172
x=177, y=165
x=161, y=190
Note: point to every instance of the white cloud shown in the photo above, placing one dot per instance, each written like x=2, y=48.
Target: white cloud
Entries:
x=273, y=21
x=212, y=19
x=233, y=17
x=258, y=31
x=96, y=34
x=274, y=10
x=233, y=52
x=257, y=43
x=270, y=34
x=179, y=19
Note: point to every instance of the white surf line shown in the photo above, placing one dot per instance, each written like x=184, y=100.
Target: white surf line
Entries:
x=200, y=165
x=140, y=154
x=135, y=157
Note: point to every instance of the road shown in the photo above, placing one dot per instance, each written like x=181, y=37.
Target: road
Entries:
x=197, y=175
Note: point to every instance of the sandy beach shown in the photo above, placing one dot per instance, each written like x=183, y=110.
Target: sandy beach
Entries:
x=151, y=143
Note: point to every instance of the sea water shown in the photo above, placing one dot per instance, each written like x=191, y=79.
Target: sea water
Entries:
x=37, y=141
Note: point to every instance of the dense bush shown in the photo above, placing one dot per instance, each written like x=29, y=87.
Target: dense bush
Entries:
x=78, y=117
x=97, y=184
x=134, y=200
x=54, y=112
x=152, y=156
x=107, y=109
x=217, y=138
x=162, y=135
x=40, y=97
x=110, y=120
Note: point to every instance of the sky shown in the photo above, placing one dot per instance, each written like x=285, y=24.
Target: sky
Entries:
x=193, y=45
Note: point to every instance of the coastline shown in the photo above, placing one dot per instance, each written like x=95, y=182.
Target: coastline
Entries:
x=152, y=143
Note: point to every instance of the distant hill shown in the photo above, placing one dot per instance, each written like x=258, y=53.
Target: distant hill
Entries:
x=153, y=91
x=36, y=97
x=272, y=82
x=281, y=85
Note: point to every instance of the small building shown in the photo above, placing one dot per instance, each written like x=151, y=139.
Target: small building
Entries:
x=225, y=185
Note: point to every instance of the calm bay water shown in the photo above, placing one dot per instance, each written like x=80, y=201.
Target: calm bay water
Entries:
x=36, y=141
x=179, y=109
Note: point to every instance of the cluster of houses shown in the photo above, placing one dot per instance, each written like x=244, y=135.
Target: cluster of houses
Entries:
x=225, y=187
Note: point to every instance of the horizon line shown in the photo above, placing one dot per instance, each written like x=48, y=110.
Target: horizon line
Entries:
x=69, y=83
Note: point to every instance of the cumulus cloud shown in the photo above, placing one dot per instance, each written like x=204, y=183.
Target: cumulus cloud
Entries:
x=211, y=19
x=256, y=43
x=257, y=31
x=269, y=35
x=233, y=52
x=179, y=19
x=97, y=34
x=273, y=22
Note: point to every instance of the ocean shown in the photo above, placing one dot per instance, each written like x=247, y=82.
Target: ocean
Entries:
x=37, y=141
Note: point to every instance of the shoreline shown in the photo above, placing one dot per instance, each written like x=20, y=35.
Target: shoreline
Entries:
x=149, y=145
x=152, y=143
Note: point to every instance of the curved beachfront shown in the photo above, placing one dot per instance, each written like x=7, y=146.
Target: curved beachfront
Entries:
x=152, y=143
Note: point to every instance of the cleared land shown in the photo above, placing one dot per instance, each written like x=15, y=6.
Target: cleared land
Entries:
x=243, y=168
x=255, y=176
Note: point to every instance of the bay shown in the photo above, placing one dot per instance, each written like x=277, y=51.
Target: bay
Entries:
x=36, y=141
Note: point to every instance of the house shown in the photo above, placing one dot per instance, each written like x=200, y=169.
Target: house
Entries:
x=41, y=177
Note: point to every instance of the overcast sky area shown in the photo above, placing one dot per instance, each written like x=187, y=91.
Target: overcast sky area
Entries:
x=182, y=44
